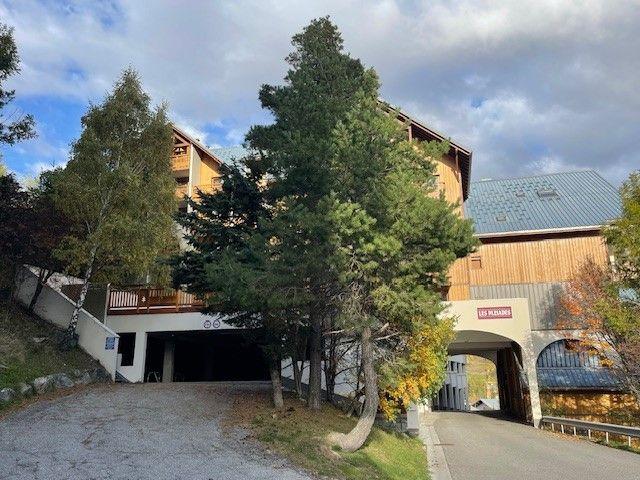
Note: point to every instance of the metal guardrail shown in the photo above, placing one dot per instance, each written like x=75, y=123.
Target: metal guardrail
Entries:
x=589, y=427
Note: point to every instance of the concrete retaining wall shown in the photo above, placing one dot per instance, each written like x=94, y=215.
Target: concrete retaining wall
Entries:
x=56, y=308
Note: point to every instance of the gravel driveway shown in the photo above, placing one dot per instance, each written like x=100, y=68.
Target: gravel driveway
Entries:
x=150, y=431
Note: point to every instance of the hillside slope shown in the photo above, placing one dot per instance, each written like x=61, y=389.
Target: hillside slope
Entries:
x=28, y=348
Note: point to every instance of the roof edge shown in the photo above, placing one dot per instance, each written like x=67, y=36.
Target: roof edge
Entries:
x=197, y=143
x=519, y=233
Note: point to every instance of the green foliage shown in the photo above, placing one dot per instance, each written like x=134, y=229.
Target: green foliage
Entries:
x=31, y=227
x=117, y=188
x=12, y=129
x=15, y=205
x=260, y=250
x=394, y=240
x=623, y=236
x=25, y=359
x=319, y=90
x=3, y=170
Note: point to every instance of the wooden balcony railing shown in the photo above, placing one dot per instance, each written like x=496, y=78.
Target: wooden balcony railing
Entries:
x=151, y=300
x=180, y=162
x=181, y=191
x=214, y=186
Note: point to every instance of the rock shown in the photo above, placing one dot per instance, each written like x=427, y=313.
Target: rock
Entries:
x=43, y=384
x=25, y=389
x=84, y=378
x=38, y=340
x=3, y=366
x=7, y=394
x=62, y=380
x=99, y=375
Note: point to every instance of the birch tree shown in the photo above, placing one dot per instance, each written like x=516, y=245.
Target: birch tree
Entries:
x=118, y=189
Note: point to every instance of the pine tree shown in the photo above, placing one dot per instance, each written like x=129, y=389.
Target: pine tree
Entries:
x=394, y=240
x=118, y=189
x=319, y=90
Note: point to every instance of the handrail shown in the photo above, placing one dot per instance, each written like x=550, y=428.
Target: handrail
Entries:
x=607, y=428
x=151, y=300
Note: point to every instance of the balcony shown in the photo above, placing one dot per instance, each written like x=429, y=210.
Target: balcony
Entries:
x=142, y=300
x=181, y=191
x=180, y=163
x=211, y=187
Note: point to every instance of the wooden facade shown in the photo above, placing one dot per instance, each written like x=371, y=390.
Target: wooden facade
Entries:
x=194, y=166
x=535, y=259
x=592, y=406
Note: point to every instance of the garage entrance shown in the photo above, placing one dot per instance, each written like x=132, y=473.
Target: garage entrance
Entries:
x=203, y=356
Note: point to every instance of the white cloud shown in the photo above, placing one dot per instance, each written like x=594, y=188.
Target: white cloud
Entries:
x=518, y=81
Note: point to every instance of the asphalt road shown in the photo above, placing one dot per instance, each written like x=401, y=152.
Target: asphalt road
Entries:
x=150, y=431
x=478, y=447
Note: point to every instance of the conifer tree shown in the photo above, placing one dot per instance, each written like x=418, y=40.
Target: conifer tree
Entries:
x=319, y=90
x=229, y=262
x=394, y=238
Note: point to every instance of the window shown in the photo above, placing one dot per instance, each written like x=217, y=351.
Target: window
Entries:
x=547, y=193
x=476, y=262
x=127, y=347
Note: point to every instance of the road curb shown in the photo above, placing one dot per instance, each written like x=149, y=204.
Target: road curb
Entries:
x=438, y=467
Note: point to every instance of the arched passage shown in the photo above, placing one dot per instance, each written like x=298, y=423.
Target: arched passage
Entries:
x=507, y=355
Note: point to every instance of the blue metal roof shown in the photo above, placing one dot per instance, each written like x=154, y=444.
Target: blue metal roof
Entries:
x=544, y=202
x=560, y=368
x=230, y=154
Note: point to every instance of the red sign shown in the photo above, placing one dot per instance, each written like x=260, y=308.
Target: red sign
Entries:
x=488, y=313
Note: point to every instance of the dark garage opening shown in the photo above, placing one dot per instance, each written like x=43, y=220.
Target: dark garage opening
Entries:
x=206, y=356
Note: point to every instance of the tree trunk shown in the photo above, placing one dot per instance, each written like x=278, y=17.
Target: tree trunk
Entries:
x=73, y=324
x=43, y=277
x=295, y=358
x=315, y=363
x=276, y=382
x=297, y=376
x=353, y=440
x=331, y=367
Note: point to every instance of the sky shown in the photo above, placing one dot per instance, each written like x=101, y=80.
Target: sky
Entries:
x=530, y=86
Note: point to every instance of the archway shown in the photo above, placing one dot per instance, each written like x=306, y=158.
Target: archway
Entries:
x=507, y=355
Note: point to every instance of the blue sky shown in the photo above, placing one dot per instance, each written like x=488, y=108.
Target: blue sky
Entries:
x=531, y=86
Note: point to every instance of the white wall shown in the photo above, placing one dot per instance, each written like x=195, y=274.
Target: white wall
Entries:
x=57, y=308
x=141, y=324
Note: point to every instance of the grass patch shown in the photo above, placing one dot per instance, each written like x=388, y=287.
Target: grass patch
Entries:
x=621, y=445
x=298, y=434
x=22, y=358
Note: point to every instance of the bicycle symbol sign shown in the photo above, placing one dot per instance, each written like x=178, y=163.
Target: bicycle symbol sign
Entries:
x=207, y=324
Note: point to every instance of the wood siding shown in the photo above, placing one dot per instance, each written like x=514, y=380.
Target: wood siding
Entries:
x=536, y=261
x=459, y=280
x=449, y=180
x=607, y=407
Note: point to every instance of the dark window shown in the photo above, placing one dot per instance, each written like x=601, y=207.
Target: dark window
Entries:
x=547, y=193
x=127, y=347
